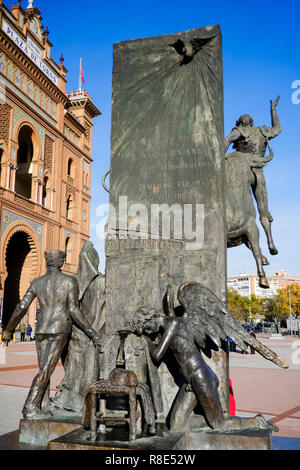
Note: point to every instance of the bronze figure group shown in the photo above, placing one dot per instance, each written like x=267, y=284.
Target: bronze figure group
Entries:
x=71, y=321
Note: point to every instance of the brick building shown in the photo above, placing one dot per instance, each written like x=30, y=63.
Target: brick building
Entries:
x=45, y=157
x=248, y=284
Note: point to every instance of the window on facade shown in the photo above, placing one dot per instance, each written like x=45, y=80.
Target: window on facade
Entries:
x=68, y=249
x=45, y=192
x=70, y=207
x=24, y=160
x=71, y=168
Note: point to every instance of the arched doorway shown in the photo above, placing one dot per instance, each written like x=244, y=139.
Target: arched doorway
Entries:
x=21, y=264
x=25, y=166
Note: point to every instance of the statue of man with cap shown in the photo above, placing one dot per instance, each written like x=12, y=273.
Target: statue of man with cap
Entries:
x=82, y=360
x=57, y=294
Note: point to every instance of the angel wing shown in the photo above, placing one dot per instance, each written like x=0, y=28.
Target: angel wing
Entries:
x=207, y=315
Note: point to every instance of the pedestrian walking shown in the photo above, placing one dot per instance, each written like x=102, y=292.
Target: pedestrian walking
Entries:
x=28, y=332
x=251, y=347
x=23, y=330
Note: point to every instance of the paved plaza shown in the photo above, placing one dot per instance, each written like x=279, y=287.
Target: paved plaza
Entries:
x=259, y=386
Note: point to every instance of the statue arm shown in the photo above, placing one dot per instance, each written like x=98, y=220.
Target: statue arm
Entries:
x=276, y=125
x=232, y=137
x=158, y=352
x=21, y=309
x=274, y=131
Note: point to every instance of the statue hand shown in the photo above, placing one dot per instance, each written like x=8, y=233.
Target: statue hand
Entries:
x=275, y=103
x=98, y=343
x=6, y=338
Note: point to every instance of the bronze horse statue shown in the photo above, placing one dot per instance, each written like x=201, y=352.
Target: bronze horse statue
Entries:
x=240, y=209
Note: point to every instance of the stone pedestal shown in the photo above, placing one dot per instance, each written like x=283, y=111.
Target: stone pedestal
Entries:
x=179, y=441
x=242, y=440
x=39, y=433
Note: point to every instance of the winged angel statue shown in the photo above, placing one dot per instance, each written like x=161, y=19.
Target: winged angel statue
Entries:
x=205, y=320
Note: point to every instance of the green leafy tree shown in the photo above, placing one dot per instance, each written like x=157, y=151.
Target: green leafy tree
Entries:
x=254, y=305
x=279, y=305
x=270, y=309
x=238, y=305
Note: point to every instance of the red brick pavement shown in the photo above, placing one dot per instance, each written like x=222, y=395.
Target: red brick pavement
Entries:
x=21, y=367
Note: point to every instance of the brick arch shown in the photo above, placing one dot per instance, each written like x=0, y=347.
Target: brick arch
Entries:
x=36, y=140
x=21, y=260
x=36, y=257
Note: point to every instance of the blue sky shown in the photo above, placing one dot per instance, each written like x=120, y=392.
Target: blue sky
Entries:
x=261, y=57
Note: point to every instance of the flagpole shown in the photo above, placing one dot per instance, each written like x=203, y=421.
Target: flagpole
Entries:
x=80, y=66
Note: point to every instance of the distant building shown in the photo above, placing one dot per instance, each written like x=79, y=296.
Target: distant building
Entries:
x=248, y=284
x=45, y=157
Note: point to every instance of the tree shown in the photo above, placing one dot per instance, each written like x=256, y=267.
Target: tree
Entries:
x=237, y=306
x=279, y=306
x=270, y=309
x=255, y=306
x=242, y=307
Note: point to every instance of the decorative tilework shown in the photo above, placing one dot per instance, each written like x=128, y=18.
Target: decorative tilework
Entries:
x=24, y=84
x=43, y=101
x=18, y=78
x=9, y=218
x=69, y=234
x=2, y=63
x=30, y=90
x=26, y=100
x=10, y=71
x=37, y=95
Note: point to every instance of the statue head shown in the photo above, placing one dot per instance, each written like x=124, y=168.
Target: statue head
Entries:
x=146, y=320
x=245, y=121
x=55, y=258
